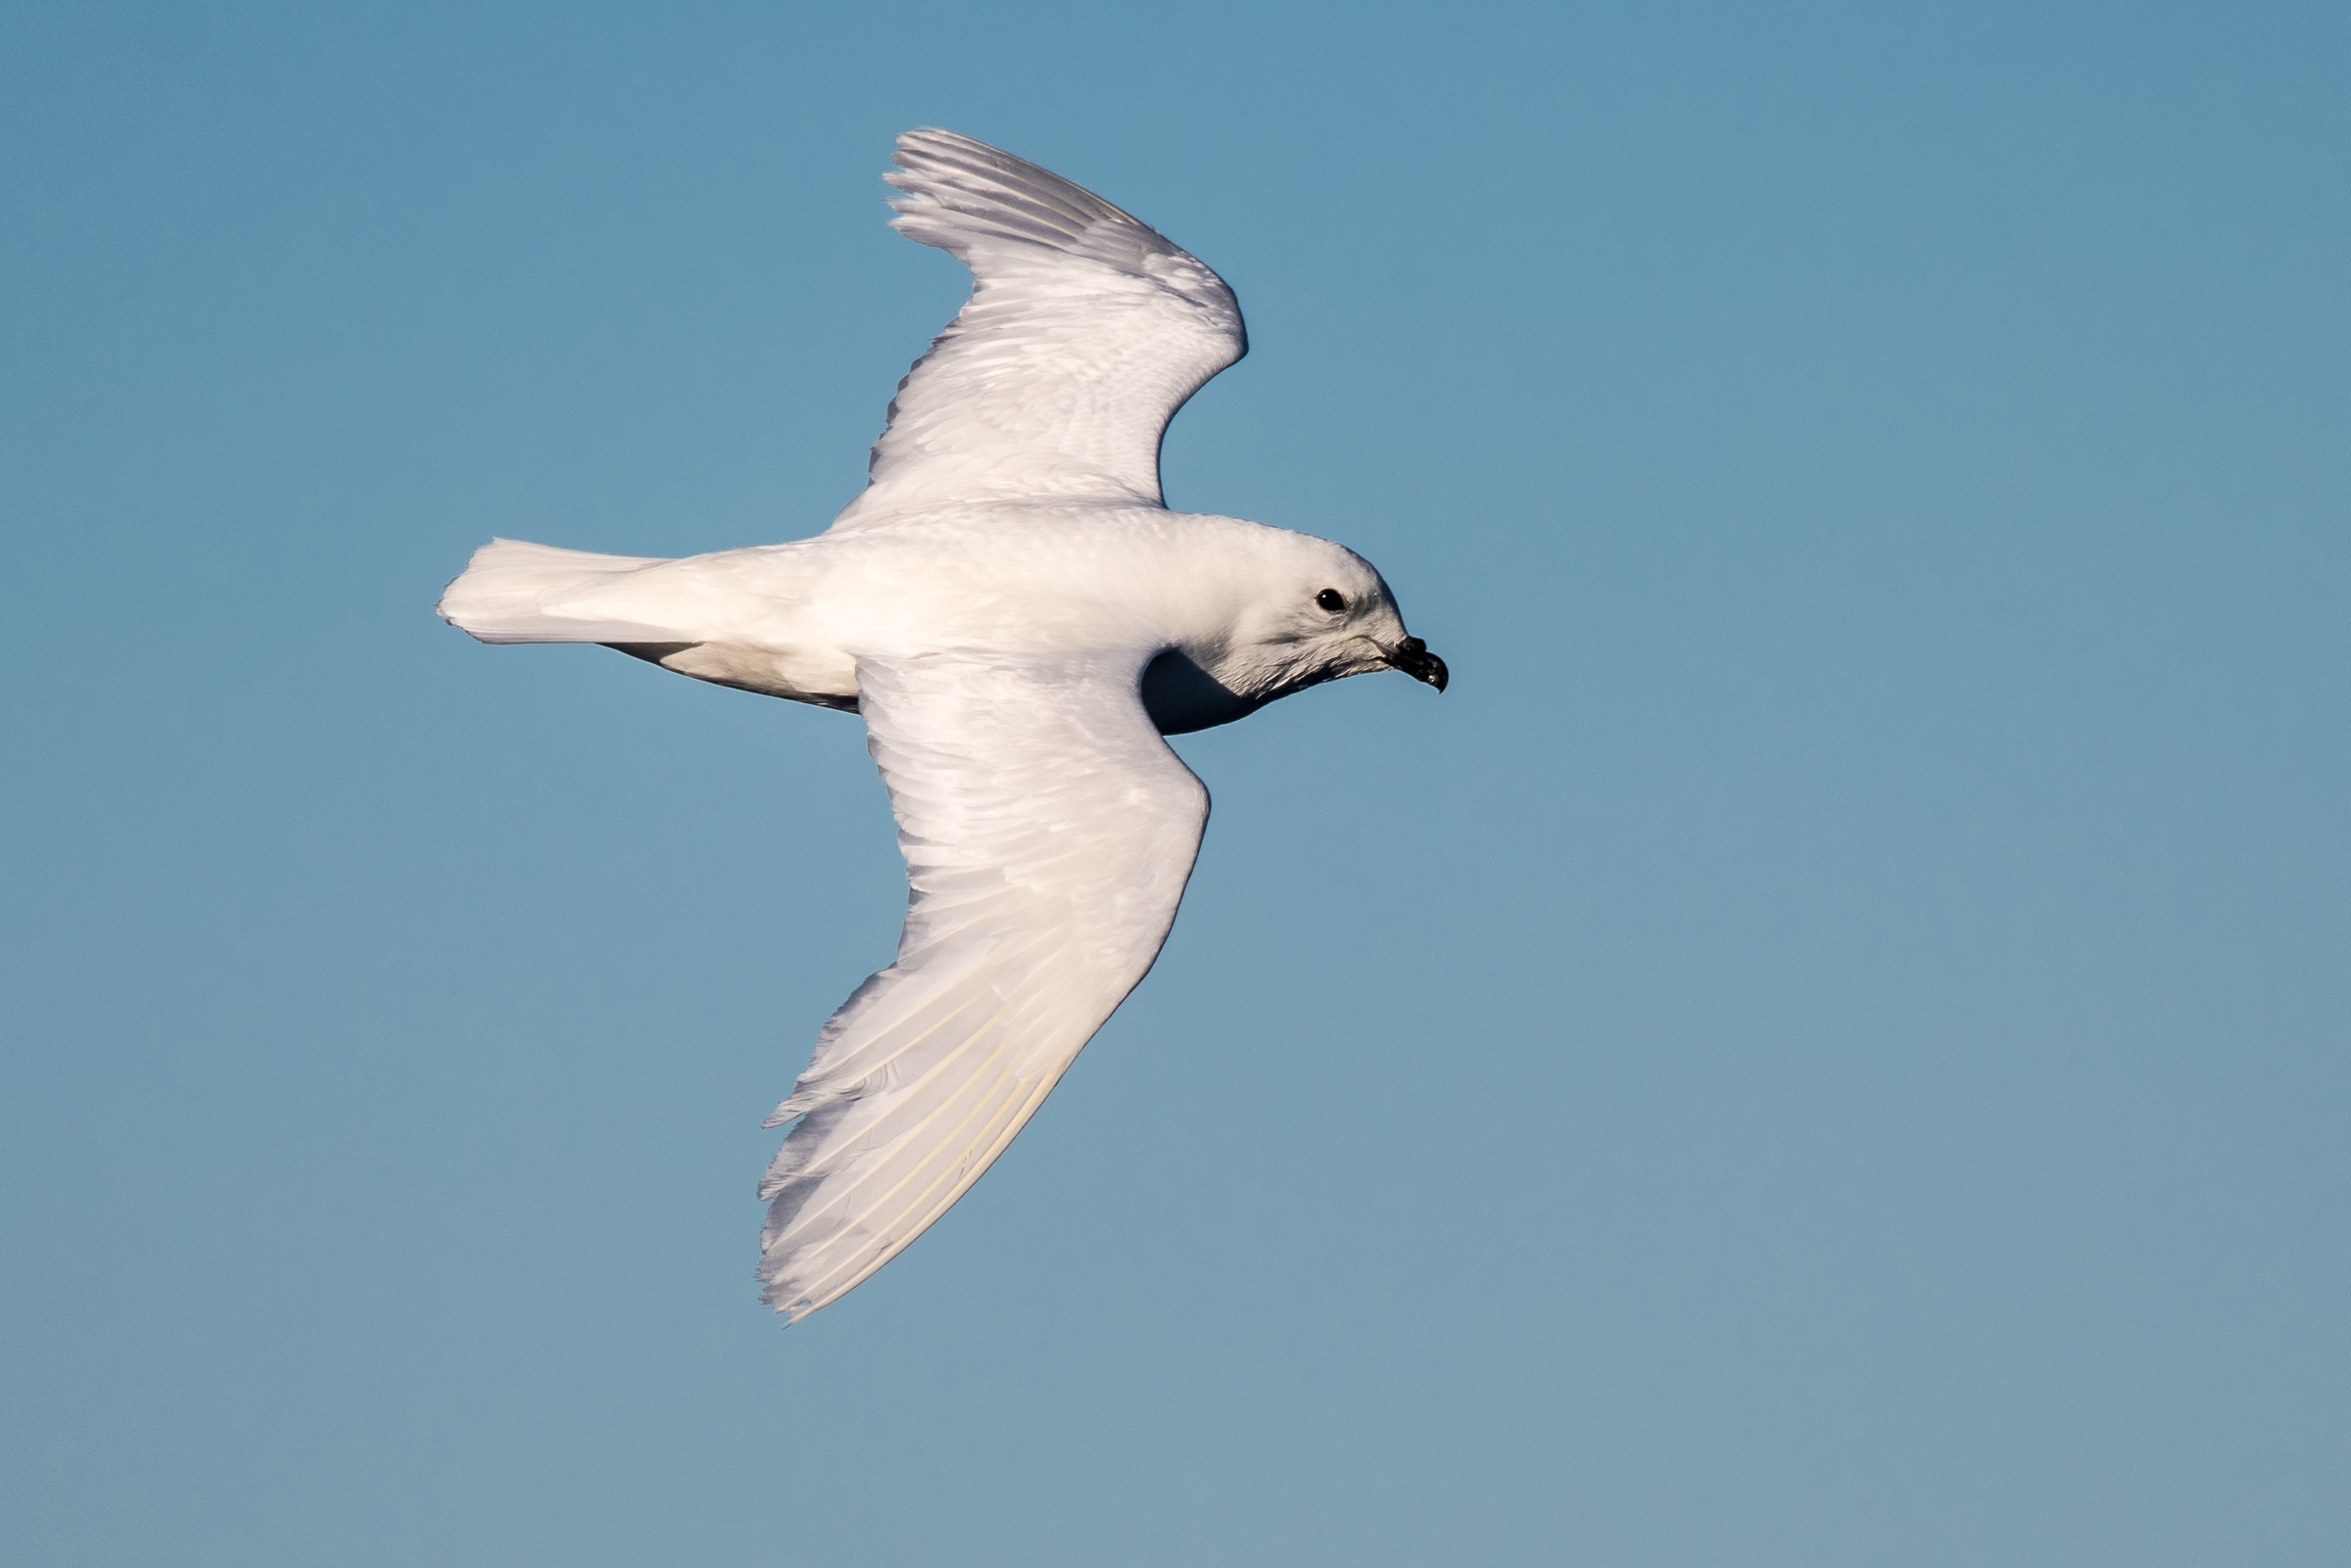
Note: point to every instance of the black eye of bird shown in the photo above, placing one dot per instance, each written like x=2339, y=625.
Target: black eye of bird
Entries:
x=1332, y=600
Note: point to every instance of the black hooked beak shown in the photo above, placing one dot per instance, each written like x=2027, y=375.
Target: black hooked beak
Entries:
x=1412, y=657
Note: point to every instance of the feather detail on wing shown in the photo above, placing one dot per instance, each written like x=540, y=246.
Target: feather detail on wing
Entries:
x=1084, y=333
x=1048, y=833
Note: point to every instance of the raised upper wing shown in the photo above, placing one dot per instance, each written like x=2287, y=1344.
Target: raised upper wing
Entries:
x=1084, y=333
x=1048, y=832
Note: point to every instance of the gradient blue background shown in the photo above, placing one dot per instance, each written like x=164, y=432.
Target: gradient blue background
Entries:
x=1826, y=1047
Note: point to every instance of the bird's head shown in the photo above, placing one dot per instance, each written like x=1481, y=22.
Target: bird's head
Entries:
x=1319, y=613
x=1296, y=611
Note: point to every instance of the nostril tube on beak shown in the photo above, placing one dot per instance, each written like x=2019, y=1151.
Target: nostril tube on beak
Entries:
x=1412, y=657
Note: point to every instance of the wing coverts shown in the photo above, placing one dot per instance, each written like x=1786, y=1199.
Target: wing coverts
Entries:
x=1086, y=331
x=1048, y=833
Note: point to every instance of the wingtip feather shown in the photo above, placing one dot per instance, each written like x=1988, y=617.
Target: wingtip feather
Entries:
x=956, y=190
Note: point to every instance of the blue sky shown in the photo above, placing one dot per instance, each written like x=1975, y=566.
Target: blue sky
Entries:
x=1825, y=1048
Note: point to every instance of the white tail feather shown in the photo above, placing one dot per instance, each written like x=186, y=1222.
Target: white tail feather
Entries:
x=512, y=591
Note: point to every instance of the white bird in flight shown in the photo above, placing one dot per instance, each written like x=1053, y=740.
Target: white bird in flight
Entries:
x=1020, y=619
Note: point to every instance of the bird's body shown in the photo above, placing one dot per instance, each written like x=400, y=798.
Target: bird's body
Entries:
x=794, y=620
x=1018, y=620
